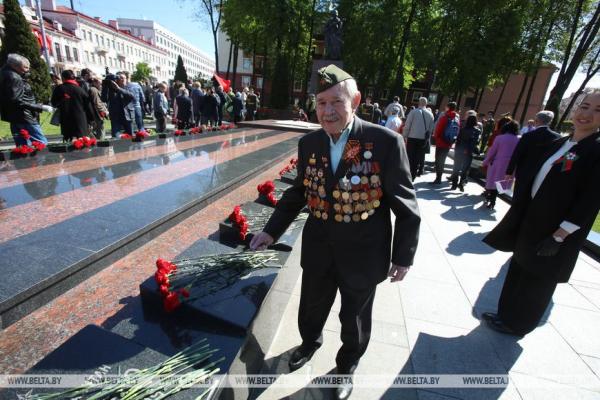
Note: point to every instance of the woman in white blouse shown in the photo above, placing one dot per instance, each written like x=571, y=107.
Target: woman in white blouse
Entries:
x=555, y=203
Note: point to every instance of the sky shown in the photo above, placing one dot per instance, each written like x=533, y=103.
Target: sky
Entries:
x=178, y=17
x=175, y=15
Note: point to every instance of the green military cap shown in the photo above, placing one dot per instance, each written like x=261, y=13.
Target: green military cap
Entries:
x=331, y=75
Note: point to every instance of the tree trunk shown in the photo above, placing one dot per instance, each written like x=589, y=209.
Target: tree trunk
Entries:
x=253, y=79
x=478, y=104
x=229, y=59
x=236, y=51
x=309, y=53
x=501, y=93
x=523, y=87
x=264, y=75
x=529, y=92
x=399, y=84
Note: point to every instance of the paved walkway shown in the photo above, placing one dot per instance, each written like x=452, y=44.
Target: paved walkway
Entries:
x=428, y=323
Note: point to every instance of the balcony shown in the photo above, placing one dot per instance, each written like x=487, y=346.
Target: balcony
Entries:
x=102, y=50
x=120, y=56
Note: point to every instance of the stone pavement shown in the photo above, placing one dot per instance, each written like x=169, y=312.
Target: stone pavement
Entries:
x=428, y=324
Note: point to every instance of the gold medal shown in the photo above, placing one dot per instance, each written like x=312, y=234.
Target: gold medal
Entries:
x=347, y=218
x=337, y=207
x=364, y=216
x=364, y=196
x=345, y=196
x=364, y=180
x=339, y=218
x=369, y=206
x=374, y=178
x=324, y=216
x=373, y=194
x=355, y=217
x=336, y=194
x=359, y=207
x=355, y=196
x=347, y=209
x=376, y=203
x=318, y=214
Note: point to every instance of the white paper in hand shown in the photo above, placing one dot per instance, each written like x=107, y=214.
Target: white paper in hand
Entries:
x=505, y=187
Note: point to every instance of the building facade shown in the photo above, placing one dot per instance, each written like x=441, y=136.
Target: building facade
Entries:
x=196, y=62
x=249, y=71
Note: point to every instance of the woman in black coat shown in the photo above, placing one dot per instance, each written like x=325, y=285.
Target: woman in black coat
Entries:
x=74, y=106
x=210, y=114
x=556, y=200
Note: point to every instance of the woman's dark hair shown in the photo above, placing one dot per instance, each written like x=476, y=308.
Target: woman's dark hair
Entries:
x=511, y=127
x=67, y=74
x=471, y=121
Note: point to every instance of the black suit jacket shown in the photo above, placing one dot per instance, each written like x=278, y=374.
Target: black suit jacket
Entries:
x=529, y=146
x=567, y=194
x=359, y=250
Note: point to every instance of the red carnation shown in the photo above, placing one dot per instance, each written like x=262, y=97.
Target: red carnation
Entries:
x=272, y=199
x=171, y=302
x=161, y=277
x=25, y=134
x=93, y=141
x=126, y=136
x=86, y=141
x=39, y=146
x=78, y=144
x=164, y=290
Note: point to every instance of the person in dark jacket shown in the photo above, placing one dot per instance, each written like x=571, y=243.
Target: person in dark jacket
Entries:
x=238, y=108
x=210, y=111
x=555, y=202
x=184, y=110
x=197, y=102
x=466, y=145
x=17, y=102
x=352, y=174
x=74, y=106
x=222, y=102
x=120, y=104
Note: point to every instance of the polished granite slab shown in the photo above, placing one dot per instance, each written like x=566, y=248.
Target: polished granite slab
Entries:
x=236, y=304
x=116, y=146
x=40, y=260
x=31, y=191
x=228, y=233
x=285, y=125
x=289, y=177
x=94, y=351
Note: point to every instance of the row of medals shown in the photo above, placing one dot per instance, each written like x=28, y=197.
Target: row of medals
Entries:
x=356, y=195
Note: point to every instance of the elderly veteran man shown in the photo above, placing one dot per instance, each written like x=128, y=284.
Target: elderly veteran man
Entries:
x=351, y=173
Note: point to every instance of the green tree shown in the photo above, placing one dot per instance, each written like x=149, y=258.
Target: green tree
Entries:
x=180, y=72
x=142, y=72
x=19, y=39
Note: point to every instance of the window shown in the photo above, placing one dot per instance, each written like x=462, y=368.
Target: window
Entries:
x=259, y=82
x=432, y=98
x=297, y=85
x=86, y=55
x=58, y=53
x=75, y=55
x=246, y=80
x=247, y=64
x=113, y=44
x=97, y=39
x=94, y=58
x=415, y=96
x=68, y=53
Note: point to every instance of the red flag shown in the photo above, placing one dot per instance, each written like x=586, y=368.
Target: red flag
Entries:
x=224, y=83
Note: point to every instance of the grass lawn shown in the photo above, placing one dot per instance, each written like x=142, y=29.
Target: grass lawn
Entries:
x=596, y=226
x=47, y=128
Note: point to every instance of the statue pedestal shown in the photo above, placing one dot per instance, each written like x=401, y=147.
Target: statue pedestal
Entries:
x=318, y=64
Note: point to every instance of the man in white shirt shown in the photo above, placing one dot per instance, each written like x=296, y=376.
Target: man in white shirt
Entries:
x=417, y=129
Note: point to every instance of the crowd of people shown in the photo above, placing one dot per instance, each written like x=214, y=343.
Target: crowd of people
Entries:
x=81, y=103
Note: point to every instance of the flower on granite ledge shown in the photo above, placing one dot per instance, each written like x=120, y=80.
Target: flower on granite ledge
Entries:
x=23, y=149
x=141, y=134
x=125, y=136
x=267, y=189
x=38, y=145
x=237, y=218
x=24, y=134
x=179, y=132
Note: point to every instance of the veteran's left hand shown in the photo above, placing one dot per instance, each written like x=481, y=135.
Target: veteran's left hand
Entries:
x=397, y=272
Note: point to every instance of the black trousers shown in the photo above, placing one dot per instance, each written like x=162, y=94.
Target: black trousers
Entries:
x=415, y=149
x=440, y=161
x=317, y=296
x=524, y=298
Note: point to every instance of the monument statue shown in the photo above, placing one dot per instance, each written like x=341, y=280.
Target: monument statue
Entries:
x=333, y=37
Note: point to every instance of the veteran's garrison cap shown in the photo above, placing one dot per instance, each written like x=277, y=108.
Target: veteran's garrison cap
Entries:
x=330, y=76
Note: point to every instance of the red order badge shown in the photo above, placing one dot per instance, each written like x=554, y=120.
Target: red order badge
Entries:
x=352, y=151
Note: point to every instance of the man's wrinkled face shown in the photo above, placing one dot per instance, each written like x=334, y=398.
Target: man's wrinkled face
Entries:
x=23, y=69
x=335, y=109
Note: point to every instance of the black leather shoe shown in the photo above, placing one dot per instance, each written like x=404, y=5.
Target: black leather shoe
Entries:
x=301, y=356
x=344, y=390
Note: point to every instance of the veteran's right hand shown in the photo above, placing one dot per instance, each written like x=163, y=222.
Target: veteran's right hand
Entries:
x=46, y=108
x=261, y=241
